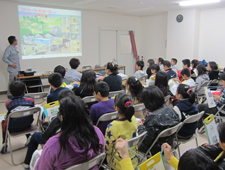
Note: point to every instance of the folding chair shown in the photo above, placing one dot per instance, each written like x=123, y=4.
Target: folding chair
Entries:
x=166, y=98
x=33, y=128
x=114, y=93
x=190, y=119
x=38, y=97
x=131, y=143
x=193, y=88
x=107, y=117
x=215, y=81
x=89, y=99
x=89, y=164
x=165, y=133
x=220, y=113
x=198, y=97
x=143, y=78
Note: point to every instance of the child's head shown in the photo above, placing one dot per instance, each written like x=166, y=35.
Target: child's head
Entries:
x=173, y=61
x=123, y=104
x=61, y=70
x=194, y=63
x=186, y=63
x=111, y=68
x=65, y=93
x=152, y=97
x=222, y=78
x=166, y=65
x=88, y=81
x=17, y=88
x=101, y=90
x=185, y=73
x=161, y=81
x=160, y=61
x=221, y=130
x=155, y=68
x=55, y=80
x=140, y=64
x=135, y=88
x=185, y=92
x=150, y=62
x=201, y=69
x=212, y=66
x=74, y=63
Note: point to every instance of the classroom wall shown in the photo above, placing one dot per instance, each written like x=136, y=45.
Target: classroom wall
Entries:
x=91, y=22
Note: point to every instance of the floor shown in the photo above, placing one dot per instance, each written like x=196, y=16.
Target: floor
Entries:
x=5, y=159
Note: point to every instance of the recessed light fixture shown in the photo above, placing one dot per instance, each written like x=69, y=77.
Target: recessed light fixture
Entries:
x=140, y=9
x=197, y=2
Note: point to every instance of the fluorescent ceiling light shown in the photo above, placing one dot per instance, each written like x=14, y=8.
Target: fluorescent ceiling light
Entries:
x=197, y=2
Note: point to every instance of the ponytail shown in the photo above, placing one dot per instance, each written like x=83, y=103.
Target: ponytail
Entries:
x=129, y=112
x=186, y=92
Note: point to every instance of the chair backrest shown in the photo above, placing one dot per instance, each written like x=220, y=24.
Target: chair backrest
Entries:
x=89, y=99
x=107, y=117
x=137, y=140
x=90, y=164
x=139, y=107
x=114, y=93
x=204, y=84
x=143, y=78
x=38, y=96
x=215, y=81
x=166, y=98
x=193, y=118
x=193, y=88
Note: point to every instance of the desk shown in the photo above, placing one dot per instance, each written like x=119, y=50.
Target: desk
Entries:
x=124, y=83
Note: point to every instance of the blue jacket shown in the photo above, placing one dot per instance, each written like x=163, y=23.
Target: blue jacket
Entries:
x=171, y=74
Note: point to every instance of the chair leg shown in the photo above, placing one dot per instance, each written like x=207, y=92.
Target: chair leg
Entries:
x=178, y=150
x=196, y=140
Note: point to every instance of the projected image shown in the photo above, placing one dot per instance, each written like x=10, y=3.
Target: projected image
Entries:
x=47, y=32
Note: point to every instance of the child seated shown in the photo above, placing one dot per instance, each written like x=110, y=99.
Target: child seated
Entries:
x=150, y=63
x=125, y=127
x=78, y=142
x=104, y=106
x=161, y=81
x=186, y=78
x=61, y=70
x=186, y=64
x=113, y=80
x=174, y=63
x=135, y=88
x=202, y=77
x=213, y=73
x=55, y=81
x=154, y=69
x=160, y=62
x=186, y=107
x=17, y=89
x=139, y=67
x=167, y=67
x=73, y=75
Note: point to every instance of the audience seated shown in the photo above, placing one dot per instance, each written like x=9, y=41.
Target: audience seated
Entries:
x=186, y=107
x=161, y=81
x=186, y=64
x=160, y=62
x=55, y=81
x=134, y=88
x=78, y=141
x=104, y=106
x=48, y=130
x=87, y=84
x=139, y=67
x=186, y=77
x=174, y=64
x=202, y=77
x=159, y=118
x=113, y=80
x=150, y=63
x=17, y=89
x=124, y=127
x=194, y=64
x=154, y=69
x=167, y=67
x=213, y=73
x=73, y=75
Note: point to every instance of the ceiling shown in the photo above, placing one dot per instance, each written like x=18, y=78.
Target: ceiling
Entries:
x=127, y=7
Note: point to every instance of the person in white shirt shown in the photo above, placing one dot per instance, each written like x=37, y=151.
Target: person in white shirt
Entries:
x=174, y=64
x=186, y=77
x=160, y=62
x=139, y=67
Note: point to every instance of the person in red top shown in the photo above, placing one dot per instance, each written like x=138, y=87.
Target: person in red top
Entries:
x=186, y=64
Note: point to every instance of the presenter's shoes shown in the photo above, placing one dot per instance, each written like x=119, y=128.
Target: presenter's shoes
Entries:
x=4, y=149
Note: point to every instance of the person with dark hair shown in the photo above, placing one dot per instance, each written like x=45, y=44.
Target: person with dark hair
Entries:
x=154, y=69
x=87, y=84
x=202, y=77
x=104, y=105
x=55, y=81
x=134, y=88
x=73, y=75
x=174, y=63
x=139, y=67
x=186, y=107
x=78, y=141
x=48, y=130
x=124, y=127
x=194, y=64
x=213, y=73
x=61, y=70
x=159, y=118
x=186, y=64
x=11, y=57
x=161, y=81
x=167, y=67
x=17, y=89
x=150, y=63
x=160, y=62
x=113, y=80
x=186, y=77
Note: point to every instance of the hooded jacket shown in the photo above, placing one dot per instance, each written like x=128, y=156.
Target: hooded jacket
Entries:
x=157, y=121
x=139, y=73
x=201, y=79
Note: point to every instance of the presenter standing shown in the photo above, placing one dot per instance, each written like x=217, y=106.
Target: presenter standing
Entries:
x=11, y=57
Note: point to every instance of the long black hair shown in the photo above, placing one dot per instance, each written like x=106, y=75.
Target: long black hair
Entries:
x=135, y=88
x=213, y=65
x=195, y=63
x=112, y=67
x=201, y=69
x=124, y=102
x=161, y=81
x=186, y=92
x=77, y=124
x=88, y=81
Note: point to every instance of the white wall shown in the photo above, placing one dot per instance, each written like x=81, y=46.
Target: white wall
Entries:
x=212, y=36
x=91, y=21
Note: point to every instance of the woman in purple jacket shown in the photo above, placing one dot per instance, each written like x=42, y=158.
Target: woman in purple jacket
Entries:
x=78, y=141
